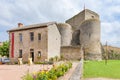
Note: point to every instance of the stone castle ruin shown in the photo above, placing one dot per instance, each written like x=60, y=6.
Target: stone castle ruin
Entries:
x=43, y=41
x=85, y=33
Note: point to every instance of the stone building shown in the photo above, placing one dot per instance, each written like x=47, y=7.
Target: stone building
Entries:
x=79, y=33
x=39, y=42
x=86, y=33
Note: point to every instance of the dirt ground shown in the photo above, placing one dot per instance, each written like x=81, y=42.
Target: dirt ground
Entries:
x=16, y=72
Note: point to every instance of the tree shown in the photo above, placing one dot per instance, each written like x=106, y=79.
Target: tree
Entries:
x=4, y=49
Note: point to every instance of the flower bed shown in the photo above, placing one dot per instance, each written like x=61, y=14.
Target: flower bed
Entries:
x=52, y=74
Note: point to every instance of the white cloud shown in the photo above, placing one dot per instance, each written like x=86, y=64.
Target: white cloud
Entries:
x=110, y=32
x=37, y=11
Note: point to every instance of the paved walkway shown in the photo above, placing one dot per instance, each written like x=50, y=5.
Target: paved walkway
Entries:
x=15, y=72
x=77, y=74
x=69, y=73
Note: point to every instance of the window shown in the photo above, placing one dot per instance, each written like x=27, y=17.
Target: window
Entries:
x=31, y=36
x=39, y=53
x=39, y=36
x=20, y=37
x=31, y=50
x=20, y=53
x=92, y=16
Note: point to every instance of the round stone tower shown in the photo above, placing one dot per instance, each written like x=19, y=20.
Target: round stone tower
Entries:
x=66, y=33
x=90, y=39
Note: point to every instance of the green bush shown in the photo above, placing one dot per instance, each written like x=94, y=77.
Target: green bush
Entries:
x=112, y=55
x=54, y=59
x=4, y=49
x=51, y=59
x=53, y=74
x=42, y=76
x=28, y=77
x=61, y=57
x=46, y=62
x=70, y=64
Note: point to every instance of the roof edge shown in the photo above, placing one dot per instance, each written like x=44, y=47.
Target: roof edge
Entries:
x=82, y=12
x=41, y=25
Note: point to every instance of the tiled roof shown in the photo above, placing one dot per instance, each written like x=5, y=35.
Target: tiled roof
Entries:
x=32, y=26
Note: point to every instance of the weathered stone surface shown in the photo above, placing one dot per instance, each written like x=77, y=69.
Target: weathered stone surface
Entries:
x=78, y=72
x=54, y=41
x=71, y=52
x=49, y=45
x=75, y=38
x=90, y=39
x=86, y=32
x=66, y=33
x=76, y=20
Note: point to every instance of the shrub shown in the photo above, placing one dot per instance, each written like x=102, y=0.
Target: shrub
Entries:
x=70, y=64
x=51, y=59
x=112, y=55
x=48, y=62
x=61, y=57
x=56, y=58
x=53, y=74
x=42, y=76
x=28, y=77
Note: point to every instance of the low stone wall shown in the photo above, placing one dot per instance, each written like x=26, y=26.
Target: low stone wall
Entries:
x=71, y=52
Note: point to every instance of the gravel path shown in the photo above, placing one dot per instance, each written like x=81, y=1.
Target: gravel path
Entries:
x=69, y=73
x=15, y=72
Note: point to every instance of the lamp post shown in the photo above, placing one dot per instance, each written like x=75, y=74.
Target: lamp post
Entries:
x=106, y=54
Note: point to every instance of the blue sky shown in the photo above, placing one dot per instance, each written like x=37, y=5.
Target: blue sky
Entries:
x=38, y=11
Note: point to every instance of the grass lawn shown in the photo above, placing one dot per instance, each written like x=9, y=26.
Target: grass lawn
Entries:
x=93, y=69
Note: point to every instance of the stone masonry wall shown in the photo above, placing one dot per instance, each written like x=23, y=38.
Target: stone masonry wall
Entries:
x=54, y=41
x=90, y=39
x=26, y=44
x=86, y=32
x=76, y=20
x=66, y=33
x=71, y=52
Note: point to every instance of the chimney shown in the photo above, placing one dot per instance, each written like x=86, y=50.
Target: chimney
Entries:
x=20, y=25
